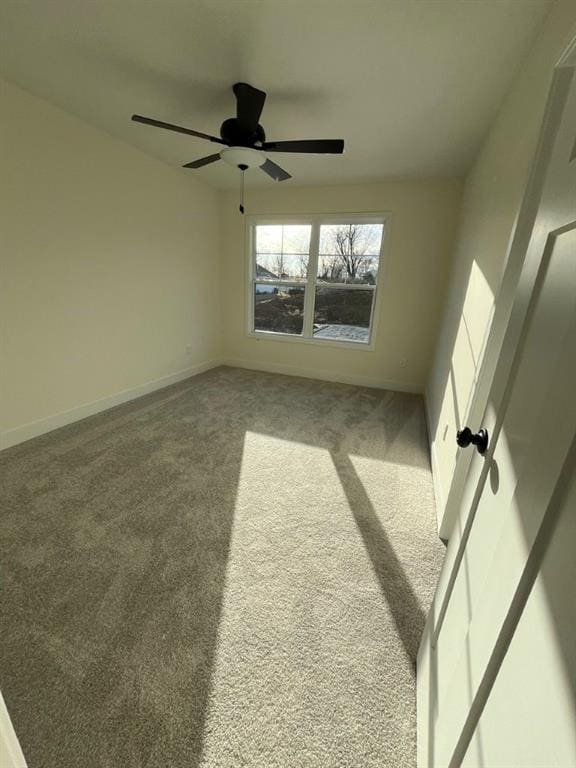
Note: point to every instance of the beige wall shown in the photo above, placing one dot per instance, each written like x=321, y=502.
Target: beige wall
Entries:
x=423, y=217
x=109, y=265
x=492, y=198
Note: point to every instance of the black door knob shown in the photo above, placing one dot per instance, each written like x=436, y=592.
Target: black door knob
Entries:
x=465, y=437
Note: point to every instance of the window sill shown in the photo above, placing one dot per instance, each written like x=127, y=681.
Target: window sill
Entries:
x=317, y=342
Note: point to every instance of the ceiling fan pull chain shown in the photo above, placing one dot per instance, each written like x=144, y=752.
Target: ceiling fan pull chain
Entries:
x=243, y=169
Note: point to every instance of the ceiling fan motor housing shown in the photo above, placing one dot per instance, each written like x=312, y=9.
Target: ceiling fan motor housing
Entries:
x=238, y=134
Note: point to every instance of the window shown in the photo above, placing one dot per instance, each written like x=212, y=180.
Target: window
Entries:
x=315, y=279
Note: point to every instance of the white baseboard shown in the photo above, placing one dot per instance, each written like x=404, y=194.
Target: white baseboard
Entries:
x=35, y=428
x=438, y=493
x=11, y=755
x=322, y=375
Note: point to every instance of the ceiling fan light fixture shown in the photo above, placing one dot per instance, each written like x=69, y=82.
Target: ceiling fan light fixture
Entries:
x=237, y=156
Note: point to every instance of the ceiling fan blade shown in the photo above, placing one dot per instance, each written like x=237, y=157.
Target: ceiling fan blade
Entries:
x=313, y=146
x=249, y=103
x=203, y=161
x=274, y=171
x=176, y=128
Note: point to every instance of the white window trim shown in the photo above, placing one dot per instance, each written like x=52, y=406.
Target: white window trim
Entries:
x=315, y=220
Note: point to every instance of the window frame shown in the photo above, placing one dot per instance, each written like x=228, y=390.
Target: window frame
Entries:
x=311, y=281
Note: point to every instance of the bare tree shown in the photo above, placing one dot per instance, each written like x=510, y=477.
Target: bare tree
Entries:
x=279, y=265
x=350, y=245
x=331, y=268
x=303, y=265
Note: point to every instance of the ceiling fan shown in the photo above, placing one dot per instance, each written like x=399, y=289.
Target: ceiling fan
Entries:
x=244, y=140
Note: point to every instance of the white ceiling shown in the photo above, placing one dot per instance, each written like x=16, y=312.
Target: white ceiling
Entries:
x=411, y=85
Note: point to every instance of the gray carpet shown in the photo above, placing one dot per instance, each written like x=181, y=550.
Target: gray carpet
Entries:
x=233, y=571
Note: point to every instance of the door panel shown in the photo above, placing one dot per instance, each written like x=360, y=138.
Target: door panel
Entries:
x=530, y=451
x=541, y=666
x=508, y=507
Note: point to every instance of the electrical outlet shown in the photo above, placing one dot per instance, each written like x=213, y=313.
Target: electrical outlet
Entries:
x=403, y=362
x=188, y=349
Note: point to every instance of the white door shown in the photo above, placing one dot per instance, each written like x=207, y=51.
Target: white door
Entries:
x=497, y=665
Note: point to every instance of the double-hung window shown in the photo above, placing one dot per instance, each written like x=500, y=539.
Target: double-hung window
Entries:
x=315, y=279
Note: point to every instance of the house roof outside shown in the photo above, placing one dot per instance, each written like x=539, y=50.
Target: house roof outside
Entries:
x=263, y=272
